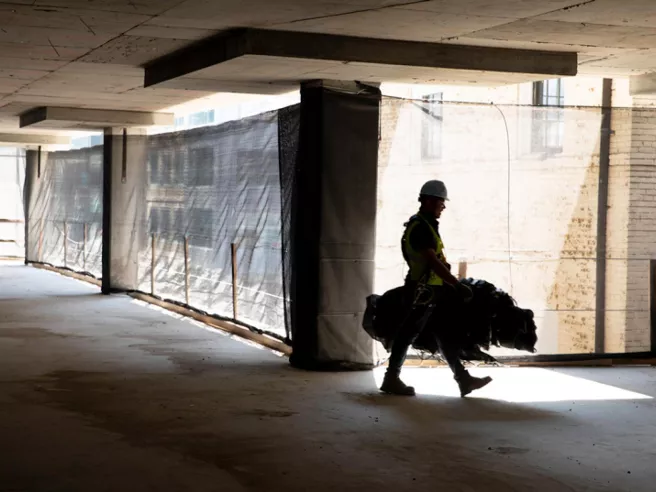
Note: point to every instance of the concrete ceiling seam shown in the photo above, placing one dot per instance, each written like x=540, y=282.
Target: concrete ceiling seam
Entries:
x=342, y=14
x=562, y=9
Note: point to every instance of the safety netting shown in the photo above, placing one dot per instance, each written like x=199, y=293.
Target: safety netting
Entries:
x=523, y=188
x=211, y=224
x=206, y=216
x=65, y=210
x=12, y=217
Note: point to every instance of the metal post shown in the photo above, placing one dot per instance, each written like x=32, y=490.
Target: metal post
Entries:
x=186, y=268
x=124, y=161
x=108, y=143
x=65, y=243
x=602, y=215
x=153, y=243
x=84, y=248
x=652, y=303
x=233, y=252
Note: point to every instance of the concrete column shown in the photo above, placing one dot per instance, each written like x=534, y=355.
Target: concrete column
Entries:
x=34, y=167
x=334, y=224
x=124, y=188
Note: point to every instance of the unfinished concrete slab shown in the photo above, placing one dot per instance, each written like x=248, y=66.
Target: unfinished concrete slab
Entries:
x=43, y=42
x=105, y=393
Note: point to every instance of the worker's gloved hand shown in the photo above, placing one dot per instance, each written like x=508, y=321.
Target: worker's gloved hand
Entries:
x=464, y=291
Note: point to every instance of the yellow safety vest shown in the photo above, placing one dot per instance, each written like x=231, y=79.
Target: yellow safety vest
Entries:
x=419, y=268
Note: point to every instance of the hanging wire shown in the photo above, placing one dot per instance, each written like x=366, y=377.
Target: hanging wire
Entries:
x=505, y=123
x=427, y=111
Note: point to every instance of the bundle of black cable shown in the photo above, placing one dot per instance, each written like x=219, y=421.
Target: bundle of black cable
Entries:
x=490, y=318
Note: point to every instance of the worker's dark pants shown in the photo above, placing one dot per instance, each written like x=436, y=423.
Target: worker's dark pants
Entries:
x=417, y=318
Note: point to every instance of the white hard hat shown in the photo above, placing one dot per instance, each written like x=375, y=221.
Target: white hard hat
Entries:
x=434, y=188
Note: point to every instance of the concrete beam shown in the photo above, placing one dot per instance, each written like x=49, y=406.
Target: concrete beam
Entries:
x=213, y=85
x=59, y=117
x=642, y=85
x=21, y=139
x=240, y=43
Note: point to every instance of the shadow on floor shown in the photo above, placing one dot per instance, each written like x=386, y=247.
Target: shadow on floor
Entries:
x=426, y=409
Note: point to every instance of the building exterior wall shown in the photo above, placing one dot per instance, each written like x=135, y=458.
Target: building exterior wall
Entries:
x=528, y=223
x=617, y=246
x=632, y=221
x=553, y=213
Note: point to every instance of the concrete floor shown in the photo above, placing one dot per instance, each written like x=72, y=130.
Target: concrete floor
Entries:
x=106, y=394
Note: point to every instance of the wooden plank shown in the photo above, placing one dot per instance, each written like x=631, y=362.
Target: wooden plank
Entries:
x=84, y=246
x=67, y=273
x=233, y=253
x=186, y=268
x=652, y=303
x=65, y=243
x=153, y=244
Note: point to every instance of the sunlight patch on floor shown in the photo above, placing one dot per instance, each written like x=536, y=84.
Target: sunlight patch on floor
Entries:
x=517, y=385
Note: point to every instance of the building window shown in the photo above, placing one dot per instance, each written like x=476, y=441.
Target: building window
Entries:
x=200, y=227
x=548, y=127
x=201, y=167
x=166, y=221
x=201, y=118
x=431, y=126
x=549, y=93
x=165, y=168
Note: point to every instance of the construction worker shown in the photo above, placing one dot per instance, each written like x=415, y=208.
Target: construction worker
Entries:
x=429, y=284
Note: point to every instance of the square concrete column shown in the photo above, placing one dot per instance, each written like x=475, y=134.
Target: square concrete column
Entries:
x=334, y=225
x=124, y=188
x=34, y=165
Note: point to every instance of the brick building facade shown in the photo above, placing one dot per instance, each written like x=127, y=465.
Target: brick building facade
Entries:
x=524, y=181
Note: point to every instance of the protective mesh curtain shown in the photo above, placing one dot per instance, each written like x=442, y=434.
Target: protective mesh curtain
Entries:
x=66, y=216
x=12, y=228
x=523, y=187
x=289, y=120
x=211, y=221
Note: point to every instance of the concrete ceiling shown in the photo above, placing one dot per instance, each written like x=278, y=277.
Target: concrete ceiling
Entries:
x=90, y=53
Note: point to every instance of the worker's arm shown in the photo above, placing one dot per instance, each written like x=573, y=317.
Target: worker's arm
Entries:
x=438, y=267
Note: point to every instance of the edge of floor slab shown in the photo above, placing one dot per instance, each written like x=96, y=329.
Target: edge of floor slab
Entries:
x=224, y=326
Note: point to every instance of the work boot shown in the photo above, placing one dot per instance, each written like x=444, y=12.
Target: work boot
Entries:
x=469, y=383
x=393, y=385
